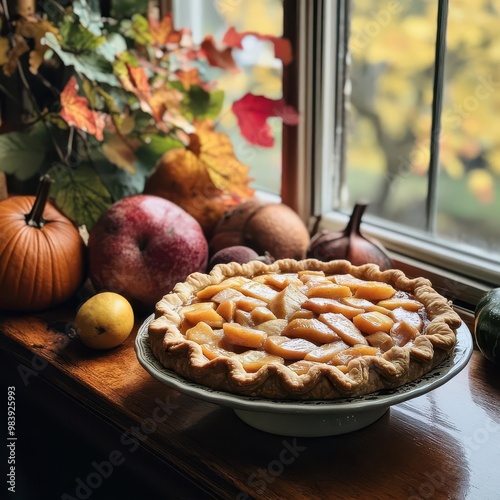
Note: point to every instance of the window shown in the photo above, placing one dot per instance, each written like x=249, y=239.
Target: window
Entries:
x=416, y=96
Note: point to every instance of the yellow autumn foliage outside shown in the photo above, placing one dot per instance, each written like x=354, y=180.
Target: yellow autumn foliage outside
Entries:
x=393, y=49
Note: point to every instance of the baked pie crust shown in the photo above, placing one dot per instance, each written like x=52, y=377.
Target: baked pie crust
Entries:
x=390, y=367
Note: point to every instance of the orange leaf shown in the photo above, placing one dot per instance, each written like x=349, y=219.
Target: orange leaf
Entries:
x=122, y=152
x=163, y=31
x=136, y=81
x=215, y=151
x=205, y=179
x=19, y=48
x=76, y=112
x=164, y=99
x=35, y=29
x=189, y=78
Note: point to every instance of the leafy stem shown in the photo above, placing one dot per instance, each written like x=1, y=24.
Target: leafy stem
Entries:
x=37, y=110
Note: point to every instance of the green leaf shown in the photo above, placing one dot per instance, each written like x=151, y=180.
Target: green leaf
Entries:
x=113, y=46
x=137, y=28
x=77, y=38
x=79, y=193
x=91, y=65
x=202, y=104
x=119, y=182
x=126, y=8
x=23, y=154
x=215, y=104
x=154, y=147
x=89, y=12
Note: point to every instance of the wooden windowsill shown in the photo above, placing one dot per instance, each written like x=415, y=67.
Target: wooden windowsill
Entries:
x=447, y=440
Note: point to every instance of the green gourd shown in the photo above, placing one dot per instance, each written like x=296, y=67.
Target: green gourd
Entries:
x=487, y=325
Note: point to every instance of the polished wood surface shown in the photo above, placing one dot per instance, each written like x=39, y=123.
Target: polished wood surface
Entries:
x=445, y=444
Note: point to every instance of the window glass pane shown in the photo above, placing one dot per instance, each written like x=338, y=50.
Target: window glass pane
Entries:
x=392, y=47
x=469, y=184
x=260, y=72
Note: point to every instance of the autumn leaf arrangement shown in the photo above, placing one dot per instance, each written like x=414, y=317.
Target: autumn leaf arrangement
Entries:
x=105, y=101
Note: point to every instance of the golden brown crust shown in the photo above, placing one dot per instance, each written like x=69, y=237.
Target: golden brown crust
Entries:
x=397, y=366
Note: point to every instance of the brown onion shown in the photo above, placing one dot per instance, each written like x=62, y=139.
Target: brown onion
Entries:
x=349, y=244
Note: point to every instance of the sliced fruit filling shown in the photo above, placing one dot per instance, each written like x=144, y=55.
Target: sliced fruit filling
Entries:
x=302, y=320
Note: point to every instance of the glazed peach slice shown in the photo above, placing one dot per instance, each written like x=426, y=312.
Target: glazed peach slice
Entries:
x=363, y=304
x=411, y=317
x=402, y=333
x=234, y=282
x=302, y=366
x=194, y=306
x=374, y=291
x=310, y=329
x=252, y=361
x=408, y=304
x=261, y=314
x=202, y=333
x=213, y=351
x=227, y=309
x=287, y=302
x=328, y=290
x=282, y=280
x=273, y=326
x=346, y=279
x=321, y=305
x=325, y=352
x=259, y=291
x=249, y=303
x=288, y=348
x=244, y=336
x=373, y=322
x=307, y=275
x=227, y=294
x=302, y=313
x=344, y=328
x=381, y=340
x=243, y=318
x=343, y=358
x=206, y=314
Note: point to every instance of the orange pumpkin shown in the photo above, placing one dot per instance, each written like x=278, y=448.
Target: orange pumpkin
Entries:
x=42, y=255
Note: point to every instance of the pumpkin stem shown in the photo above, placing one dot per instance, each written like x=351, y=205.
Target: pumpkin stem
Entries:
x=35, y=217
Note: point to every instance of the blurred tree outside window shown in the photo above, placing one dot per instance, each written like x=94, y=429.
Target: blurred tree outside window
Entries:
x=392, y=49
x=260, y=72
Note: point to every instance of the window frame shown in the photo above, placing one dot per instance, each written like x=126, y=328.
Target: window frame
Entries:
x=308, y=149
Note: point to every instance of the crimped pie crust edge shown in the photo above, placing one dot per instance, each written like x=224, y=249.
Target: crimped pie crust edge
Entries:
x=396, y=367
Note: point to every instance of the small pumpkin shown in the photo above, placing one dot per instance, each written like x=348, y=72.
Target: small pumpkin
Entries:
x=487, y=325
x=42, y=255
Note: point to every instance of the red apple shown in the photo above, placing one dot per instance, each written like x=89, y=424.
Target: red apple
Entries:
x=142, y=246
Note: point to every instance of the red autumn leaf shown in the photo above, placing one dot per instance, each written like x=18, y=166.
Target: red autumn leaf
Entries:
x=282, y=46
x=222, y=58
x=252, y=112
x=76, y=112
x=163, y=31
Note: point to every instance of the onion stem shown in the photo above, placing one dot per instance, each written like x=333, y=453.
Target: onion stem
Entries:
x=355, y=220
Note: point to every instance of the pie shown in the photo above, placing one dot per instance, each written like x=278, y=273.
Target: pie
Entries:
x=302, y=330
